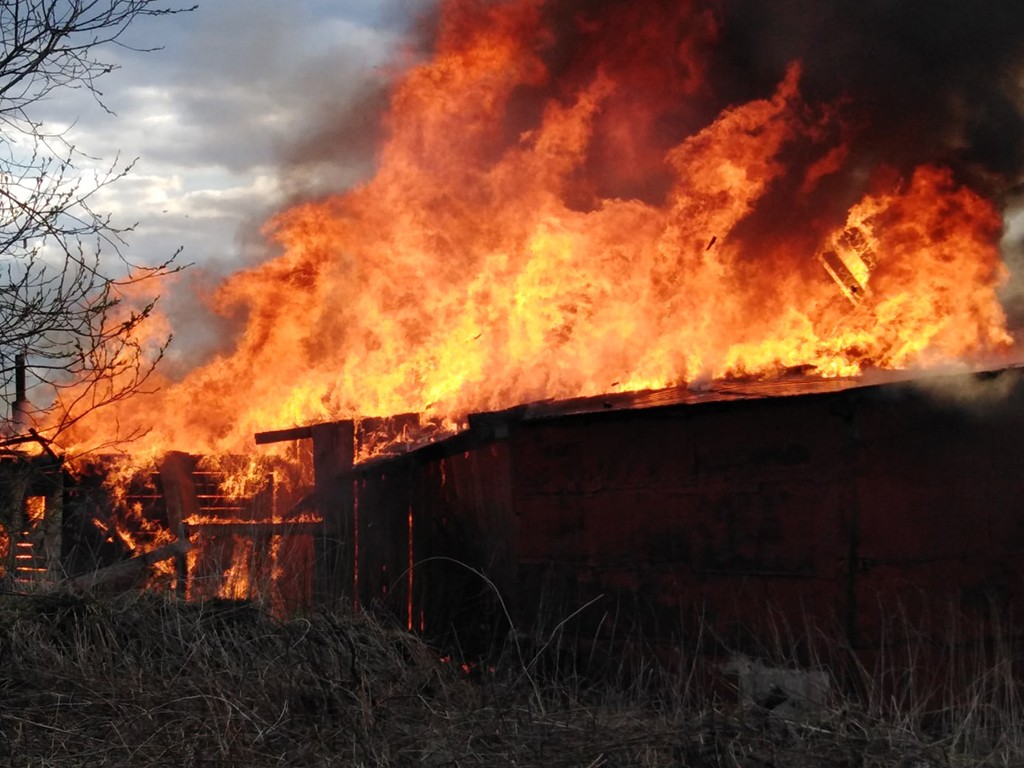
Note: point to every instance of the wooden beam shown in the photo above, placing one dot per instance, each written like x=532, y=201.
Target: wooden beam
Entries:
x=383, y=430
x=253, y=528
x=129, y=568
x=281, y=435
x=282, y=529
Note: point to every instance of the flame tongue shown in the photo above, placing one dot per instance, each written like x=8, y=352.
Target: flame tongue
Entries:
x=527, y=237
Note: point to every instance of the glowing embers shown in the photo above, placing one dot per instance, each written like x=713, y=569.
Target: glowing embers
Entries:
x=28, y=564
x=849, y=259
x=5, y=550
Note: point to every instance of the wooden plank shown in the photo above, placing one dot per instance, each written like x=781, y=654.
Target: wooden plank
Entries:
x=129, y=568
x=385, y=504
x=294, y=570
x=281, y=435
x=333, y=458
x=283, y=528
x=53, y=522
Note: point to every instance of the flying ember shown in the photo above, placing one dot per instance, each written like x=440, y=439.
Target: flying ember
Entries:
x=566, y=204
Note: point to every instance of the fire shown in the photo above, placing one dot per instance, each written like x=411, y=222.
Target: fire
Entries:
x=555, y=212
x=35, y=509
x=129, y=486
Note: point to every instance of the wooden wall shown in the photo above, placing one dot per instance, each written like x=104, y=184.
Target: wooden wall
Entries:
x=436, y=538
x=738, y=519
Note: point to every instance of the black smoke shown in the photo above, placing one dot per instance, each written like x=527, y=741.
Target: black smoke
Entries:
x=940, y=81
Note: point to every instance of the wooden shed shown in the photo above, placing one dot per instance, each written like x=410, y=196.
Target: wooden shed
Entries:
x=734, y=511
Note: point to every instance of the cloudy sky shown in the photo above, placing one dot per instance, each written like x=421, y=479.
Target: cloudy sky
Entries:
x=224, y=118
x=247, y=104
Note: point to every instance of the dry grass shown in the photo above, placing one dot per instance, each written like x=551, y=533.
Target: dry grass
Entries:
x=143, y=680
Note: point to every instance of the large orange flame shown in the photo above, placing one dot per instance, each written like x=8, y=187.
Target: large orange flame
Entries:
x=602, y=238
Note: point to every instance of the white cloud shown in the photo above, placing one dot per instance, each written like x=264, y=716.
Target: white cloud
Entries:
x=211, y=117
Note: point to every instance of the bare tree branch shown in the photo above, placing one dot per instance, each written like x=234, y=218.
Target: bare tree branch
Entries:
x=68, y=291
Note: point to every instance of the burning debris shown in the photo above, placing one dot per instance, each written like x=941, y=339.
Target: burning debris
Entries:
x=849, y=259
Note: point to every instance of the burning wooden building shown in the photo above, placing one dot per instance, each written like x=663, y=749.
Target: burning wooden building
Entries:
x=739, y=508
x=834, y=504
x=546, y=223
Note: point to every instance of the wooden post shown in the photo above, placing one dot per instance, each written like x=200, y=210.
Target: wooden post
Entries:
x=13, y=483
x=335, y=547
x=181, y=501
x=53, y=522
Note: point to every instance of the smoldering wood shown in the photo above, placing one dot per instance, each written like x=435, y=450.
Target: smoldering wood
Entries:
x=35, y=542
